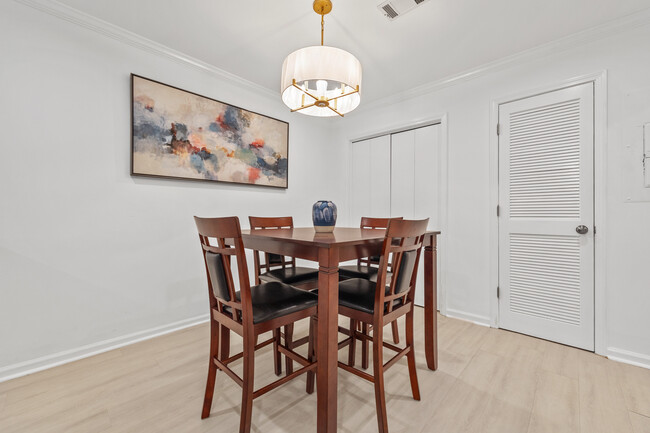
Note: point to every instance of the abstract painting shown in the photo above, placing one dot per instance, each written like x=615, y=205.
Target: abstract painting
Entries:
x=179, y=134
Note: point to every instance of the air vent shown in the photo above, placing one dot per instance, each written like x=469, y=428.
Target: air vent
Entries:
x=390, y=12
x=392, y=9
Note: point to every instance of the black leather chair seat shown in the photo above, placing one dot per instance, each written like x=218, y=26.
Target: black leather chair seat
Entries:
x=359, y=293
x=362, y=271
x=358, y=271
x=276, y=299
x=290, y=275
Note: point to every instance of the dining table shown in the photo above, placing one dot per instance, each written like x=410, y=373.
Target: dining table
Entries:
x=328, y=250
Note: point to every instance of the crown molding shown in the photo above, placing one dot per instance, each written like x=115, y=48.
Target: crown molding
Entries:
x=75, y=16
x=592, y=34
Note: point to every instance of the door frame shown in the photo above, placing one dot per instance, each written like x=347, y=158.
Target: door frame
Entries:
x=599, y=80
x=436, y=119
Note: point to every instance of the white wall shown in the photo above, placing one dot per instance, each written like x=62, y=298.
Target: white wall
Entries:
x=468, y=104
x=90, y=256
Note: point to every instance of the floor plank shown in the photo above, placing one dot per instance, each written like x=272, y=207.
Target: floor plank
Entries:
x=640, y=423
x=635, y=383
x=556, y=408
x=602, y=406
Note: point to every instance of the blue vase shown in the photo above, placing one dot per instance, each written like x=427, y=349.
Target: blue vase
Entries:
x=324, y=216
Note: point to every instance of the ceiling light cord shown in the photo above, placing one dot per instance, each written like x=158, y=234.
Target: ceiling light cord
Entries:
x=322, y=27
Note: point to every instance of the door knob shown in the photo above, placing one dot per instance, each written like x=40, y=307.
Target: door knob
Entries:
x=582, y=229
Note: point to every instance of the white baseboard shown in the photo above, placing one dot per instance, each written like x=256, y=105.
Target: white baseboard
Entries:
x=628, y=357
x=32, y=366
x=469, y=317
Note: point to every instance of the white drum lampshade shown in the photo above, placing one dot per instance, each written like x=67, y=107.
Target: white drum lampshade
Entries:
x=326, y=79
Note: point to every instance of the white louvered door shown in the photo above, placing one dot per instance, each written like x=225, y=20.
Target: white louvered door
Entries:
x=546, y=268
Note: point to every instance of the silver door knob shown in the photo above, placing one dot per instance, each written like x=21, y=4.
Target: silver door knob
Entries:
x=582, y=229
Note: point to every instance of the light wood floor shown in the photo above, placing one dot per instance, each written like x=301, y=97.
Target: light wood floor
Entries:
x=489, y=381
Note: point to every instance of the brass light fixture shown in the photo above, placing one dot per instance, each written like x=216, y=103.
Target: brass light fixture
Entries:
x=319, y=80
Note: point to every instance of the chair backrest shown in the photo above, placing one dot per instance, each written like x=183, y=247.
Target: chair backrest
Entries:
x=271, y=261
x=226, y=233
x=374, y=223
x=404, y=240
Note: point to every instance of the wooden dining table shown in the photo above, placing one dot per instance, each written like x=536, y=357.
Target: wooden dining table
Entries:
x=330, y=249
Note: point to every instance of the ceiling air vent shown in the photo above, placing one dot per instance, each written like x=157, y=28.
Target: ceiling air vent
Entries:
x=392, y=9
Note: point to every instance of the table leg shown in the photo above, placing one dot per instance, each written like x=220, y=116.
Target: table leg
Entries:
x=431, y=303
x=327, y=340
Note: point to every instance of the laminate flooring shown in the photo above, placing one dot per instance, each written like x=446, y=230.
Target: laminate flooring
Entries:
x=489, y=380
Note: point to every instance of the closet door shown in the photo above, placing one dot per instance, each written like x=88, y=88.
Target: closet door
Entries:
x=426, y=190
x=360, y=181
x=415, y=180
x=379, y=177
x=402, y=179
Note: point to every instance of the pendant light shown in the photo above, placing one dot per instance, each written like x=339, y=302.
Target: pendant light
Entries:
x=319, y=80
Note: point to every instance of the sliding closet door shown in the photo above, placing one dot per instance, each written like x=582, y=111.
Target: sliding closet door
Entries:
x=415, y=180
x=370, y=179
x=402, y=179
x=380, y=177
x=360, y=181
x=427, y=189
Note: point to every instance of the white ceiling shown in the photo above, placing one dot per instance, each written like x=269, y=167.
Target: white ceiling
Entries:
x=440, y=38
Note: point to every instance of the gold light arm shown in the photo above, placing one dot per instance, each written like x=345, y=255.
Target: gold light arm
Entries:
x=345, y=94
x=303, y=90
x=303, y=107
x=330, y=107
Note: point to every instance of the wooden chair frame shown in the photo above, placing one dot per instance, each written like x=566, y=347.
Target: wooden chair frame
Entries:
x=237, y=316
x=274, y=223
x=401, y=236
x=374, y=224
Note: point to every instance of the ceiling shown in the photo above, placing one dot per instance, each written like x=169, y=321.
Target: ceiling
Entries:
x=440, y=38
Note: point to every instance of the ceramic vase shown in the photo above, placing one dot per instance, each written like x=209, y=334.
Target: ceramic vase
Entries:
x=324, y=216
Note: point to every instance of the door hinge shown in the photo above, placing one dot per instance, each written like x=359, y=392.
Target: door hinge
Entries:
x=594, y=229
x=498, y=210
x=498, y=292
x=498, y=129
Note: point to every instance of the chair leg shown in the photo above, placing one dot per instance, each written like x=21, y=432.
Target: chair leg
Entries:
x=288, y=341
x=364, y=347
x=393, y=325
x=277, y=358
x=353, y=340
x=378, y=373
x=311, y=354
x=248, y=378
x=410, y=357
x=212, y=369
x=225, y=342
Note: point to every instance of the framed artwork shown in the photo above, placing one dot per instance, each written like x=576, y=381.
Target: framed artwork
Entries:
x=181, y=135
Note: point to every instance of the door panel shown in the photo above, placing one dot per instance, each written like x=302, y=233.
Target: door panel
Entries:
x=379, y=177
x=403, y=174
x=426, y=190
x=545, y=191
x=360, y=181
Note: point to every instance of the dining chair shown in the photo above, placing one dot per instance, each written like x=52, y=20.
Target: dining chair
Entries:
x=380, y=303
x=276, y=267
x=367, y=268
x=248, y=312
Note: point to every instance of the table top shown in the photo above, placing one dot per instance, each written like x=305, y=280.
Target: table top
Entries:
x=308, y=236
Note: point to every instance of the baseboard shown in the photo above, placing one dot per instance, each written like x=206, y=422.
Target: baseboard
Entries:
x=32, y=366
x=469, y=317
x=628, y=357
